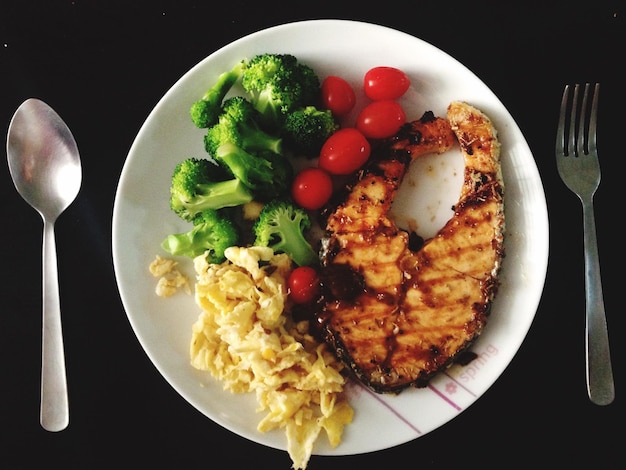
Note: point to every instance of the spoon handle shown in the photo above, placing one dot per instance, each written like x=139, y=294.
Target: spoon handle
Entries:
x=54, y=403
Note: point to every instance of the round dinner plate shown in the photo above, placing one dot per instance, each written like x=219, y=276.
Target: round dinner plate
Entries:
x=142, y=219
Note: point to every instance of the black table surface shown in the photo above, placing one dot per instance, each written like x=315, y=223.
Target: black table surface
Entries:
x=103, y=65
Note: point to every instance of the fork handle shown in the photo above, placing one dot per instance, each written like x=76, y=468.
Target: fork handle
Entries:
x=600, y=386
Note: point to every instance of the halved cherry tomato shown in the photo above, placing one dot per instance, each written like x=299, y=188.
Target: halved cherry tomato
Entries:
x=337, y=95
x=385, y=83
x=304, y=284
x=344, y=152
x=311, y=188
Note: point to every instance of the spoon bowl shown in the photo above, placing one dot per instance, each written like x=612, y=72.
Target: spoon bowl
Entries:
x=45, y=166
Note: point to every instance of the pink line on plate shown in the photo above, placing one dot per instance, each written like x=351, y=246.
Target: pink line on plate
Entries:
x=444, y=397
x=392, y=409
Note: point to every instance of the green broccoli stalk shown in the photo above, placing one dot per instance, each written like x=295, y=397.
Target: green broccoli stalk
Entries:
x=212, y=233
x=205, y=111
x=279, y=84
x=237, y=124
x=306, y=129
x=267, y=174
x=199, y=185
x=282, y=177
x=282, y=226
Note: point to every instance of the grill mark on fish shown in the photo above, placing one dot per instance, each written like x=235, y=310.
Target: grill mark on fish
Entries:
x=413, y=305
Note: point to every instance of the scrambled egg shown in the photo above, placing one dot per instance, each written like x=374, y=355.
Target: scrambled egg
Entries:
x=243, y=338
x=170, y=278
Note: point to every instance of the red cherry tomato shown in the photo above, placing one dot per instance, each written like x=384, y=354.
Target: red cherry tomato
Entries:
x=385, y=83
x=337, y=95
x=311, y=188
x=304, y=284
x=344, y=152
x=381, y=119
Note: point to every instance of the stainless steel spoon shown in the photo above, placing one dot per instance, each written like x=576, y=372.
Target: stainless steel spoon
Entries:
x=46, y=170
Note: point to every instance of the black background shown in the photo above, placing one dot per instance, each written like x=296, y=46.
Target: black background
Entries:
x=103, y=65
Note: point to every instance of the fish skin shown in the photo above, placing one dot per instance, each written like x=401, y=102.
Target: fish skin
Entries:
x=397, y=317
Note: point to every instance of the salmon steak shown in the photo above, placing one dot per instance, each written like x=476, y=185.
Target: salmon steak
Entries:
x=397, y=309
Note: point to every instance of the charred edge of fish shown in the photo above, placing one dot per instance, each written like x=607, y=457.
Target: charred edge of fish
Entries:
x=416, y=242
x=408, y=134
x=481, y=196
x=344, y=356
x=428, y=116
x=488, y=188
x=465, y=357
x=377, y=385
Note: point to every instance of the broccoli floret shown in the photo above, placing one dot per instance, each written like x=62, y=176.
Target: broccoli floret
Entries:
x=212, y=233
x=238, y=124
x=306, y=129
x=282, y=226
x=204, y=112
x=279, y=84
x=199, y=185
x=266, y=173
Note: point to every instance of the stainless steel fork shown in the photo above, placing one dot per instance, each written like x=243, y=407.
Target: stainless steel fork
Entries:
x=579, y=168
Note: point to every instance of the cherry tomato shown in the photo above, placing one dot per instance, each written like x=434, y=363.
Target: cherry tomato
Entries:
x=304, y=284
x=344, y=152
x=311, y=188
x=380, y=119
x=385, y=83
x=337, y=95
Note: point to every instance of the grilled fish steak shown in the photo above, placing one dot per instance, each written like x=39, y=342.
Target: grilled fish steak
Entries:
x=397, y=315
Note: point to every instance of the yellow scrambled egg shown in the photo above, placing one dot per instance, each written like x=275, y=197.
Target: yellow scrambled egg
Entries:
x=170, y=278
x=244, y=338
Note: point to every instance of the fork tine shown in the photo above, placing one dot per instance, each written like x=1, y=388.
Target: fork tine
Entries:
x=572, y=148
x=581, y=147
x=591, y=142
x=560, y=134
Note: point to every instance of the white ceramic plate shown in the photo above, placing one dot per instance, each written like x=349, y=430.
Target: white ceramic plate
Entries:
x=142, y=219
